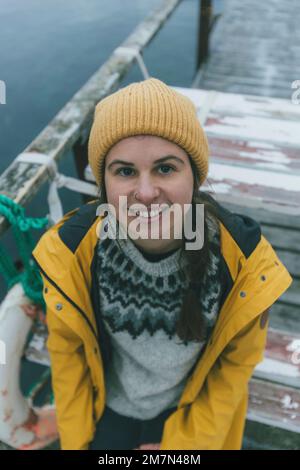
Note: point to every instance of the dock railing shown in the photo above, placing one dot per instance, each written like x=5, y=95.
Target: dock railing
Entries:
x=69, y=129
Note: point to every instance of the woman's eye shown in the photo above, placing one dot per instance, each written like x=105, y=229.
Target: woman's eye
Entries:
x=166, y=166
x=126, y=169
x=122, y=169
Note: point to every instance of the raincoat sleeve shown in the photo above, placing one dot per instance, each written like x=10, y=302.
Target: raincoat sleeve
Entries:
x=71, y=384
x=204, y=425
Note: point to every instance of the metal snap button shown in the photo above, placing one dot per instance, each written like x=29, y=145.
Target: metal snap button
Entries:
x=243, y=293
x=263, y=277
x=58, y=306
x=46, y=290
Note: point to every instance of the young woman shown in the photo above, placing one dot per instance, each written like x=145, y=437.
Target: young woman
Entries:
x=153, y=339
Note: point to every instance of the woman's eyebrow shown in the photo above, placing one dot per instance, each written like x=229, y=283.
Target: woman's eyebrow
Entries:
x=160, y=160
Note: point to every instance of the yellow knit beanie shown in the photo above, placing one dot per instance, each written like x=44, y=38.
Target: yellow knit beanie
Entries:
x=147, y=107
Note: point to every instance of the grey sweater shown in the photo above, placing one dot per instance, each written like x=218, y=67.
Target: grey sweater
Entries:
x=140, y=299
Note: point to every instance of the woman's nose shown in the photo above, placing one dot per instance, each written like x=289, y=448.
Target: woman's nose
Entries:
x=146, y=193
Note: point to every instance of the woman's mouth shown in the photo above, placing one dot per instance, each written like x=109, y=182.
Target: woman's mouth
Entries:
x=147, y=216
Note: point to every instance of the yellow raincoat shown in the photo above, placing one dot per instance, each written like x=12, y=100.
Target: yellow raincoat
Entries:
x=212, y=409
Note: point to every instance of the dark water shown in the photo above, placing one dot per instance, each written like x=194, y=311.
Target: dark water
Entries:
x=49, y=49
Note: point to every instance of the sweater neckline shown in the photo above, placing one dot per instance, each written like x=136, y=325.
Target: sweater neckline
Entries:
x=154, y=257
x=161, y=267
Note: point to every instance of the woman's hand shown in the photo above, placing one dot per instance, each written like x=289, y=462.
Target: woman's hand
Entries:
x=34, y=311
x=148, y=447
x=42, y=423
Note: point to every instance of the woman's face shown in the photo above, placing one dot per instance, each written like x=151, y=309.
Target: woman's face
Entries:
x=132, y=168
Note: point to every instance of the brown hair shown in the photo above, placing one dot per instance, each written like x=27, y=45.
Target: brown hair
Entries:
x=190, y=325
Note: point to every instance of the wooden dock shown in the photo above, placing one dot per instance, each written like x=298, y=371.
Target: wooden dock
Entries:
x=254, y=49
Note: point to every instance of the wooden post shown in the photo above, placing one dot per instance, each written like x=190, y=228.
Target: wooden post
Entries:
x=205, y=16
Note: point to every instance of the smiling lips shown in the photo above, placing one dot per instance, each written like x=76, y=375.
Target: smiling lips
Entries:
x=147, y=215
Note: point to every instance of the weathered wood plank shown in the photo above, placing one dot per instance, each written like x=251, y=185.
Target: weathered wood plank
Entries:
x=239, y=105
x=255, y=188
x=291, y=261
x=248, y=85
x=248, y=127
x=274, y=405
x=287, y=239
x=260, y=436
x=223, y=66
x=281, y=362
x=292, y=295
x=21, y=181
x=260, y=155
x=250, y=90
x=264, y=216
x=286, y=317
x=238, y=79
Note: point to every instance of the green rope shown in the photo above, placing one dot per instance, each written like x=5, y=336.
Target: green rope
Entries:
x=7, y=267
x=51, y=398
x=30, y=277
x=38, y=384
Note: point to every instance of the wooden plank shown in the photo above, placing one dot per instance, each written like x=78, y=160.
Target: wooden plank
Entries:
x=264, y=216
x=238, y=79
x=21, y=181
x=284, y=239
x=257, y=128
x=285, y=317
x=255, y=188
x=292, y=295
x=290, y=260
x=270, y=156
x=272, y=112
x=274, y=405
x=281, y=362
x=250, y=90
x=224, y=66
x=260, y=436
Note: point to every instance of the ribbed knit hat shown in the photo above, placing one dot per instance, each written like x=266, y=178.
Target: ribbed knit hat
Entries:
x=147, y=107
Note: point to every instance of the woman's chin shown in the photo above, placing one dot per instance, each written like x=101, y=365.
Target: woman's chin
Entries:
x=157, y=245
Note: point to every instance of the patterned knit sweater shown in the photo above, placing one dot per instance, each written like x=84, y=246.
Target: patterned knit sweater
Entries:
x=140, y=298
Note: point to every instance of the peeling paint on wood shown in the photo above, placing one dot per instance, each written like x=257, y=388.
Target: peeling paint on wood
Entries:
x=268, y=405
x=278, y=364
x=260, y=155
x=258, y=188
x=248, y=127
